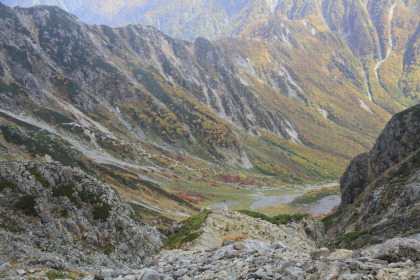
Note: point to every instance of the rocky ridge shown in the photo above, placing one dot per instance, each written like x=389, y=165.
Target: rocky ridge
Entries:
x=399, y=140
x=381, y=189
x=248, y=258
x=59, y=217
x=302, y=236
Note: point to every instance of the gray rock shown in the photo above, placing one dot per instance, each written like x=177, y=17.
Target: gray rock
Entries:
x=278, y=245
x=107, y=273
x=53, y=262
x=399, y=249
x=330, y=273
x=323, y=252
x=348, y=276
x=4, y=267
x=180, y=272
x=150, y=274
x=68, y=174
x=283, y=266
x=293, y=273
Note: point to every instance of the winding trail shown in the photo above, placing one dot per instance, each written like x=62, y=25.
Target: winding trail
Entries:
x=390, y=42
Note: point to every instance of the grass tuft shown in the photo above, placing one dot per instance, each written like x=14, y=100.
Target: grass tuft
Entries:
x=329, y=220
x=27, y=203
x=351, y=236
x=101, y=212
x=188, y=233
x=279, y=219
x=39, y=177
x=7, y=184
x=233, y=237
x=53, y=275
x=68, y=191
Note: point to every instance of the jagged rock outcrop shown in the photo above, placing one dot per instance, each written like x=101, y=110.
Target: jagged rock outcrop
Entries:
x=59, y=217
x=381, y=189
x=399, y=140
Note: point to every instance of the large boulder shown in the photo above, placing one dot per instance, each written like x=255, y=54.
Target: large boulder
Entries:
x=399, y=249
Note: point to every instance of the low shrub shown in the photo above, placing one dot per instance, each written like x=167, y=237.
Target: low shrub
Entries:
x=349, y=237
x=101, y=212
x=64, y=213
x=27, y=203
x=279, y=219
x=329, y=220
x=7, y=184
x=66, y=190
x=39, y=177
x=188, y=233
x=52, y=275
x=89, y=197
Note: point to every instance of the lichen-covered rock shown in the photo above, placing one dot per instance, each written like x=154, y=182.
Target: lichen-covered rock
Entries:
x=59, y=217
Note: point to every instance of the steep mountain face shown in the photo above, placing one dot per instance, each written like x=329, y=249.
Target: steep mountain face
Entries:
x=382, y=35
x=137, y=84
x=398, y=142
x=381, y=189
x=63, y=218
